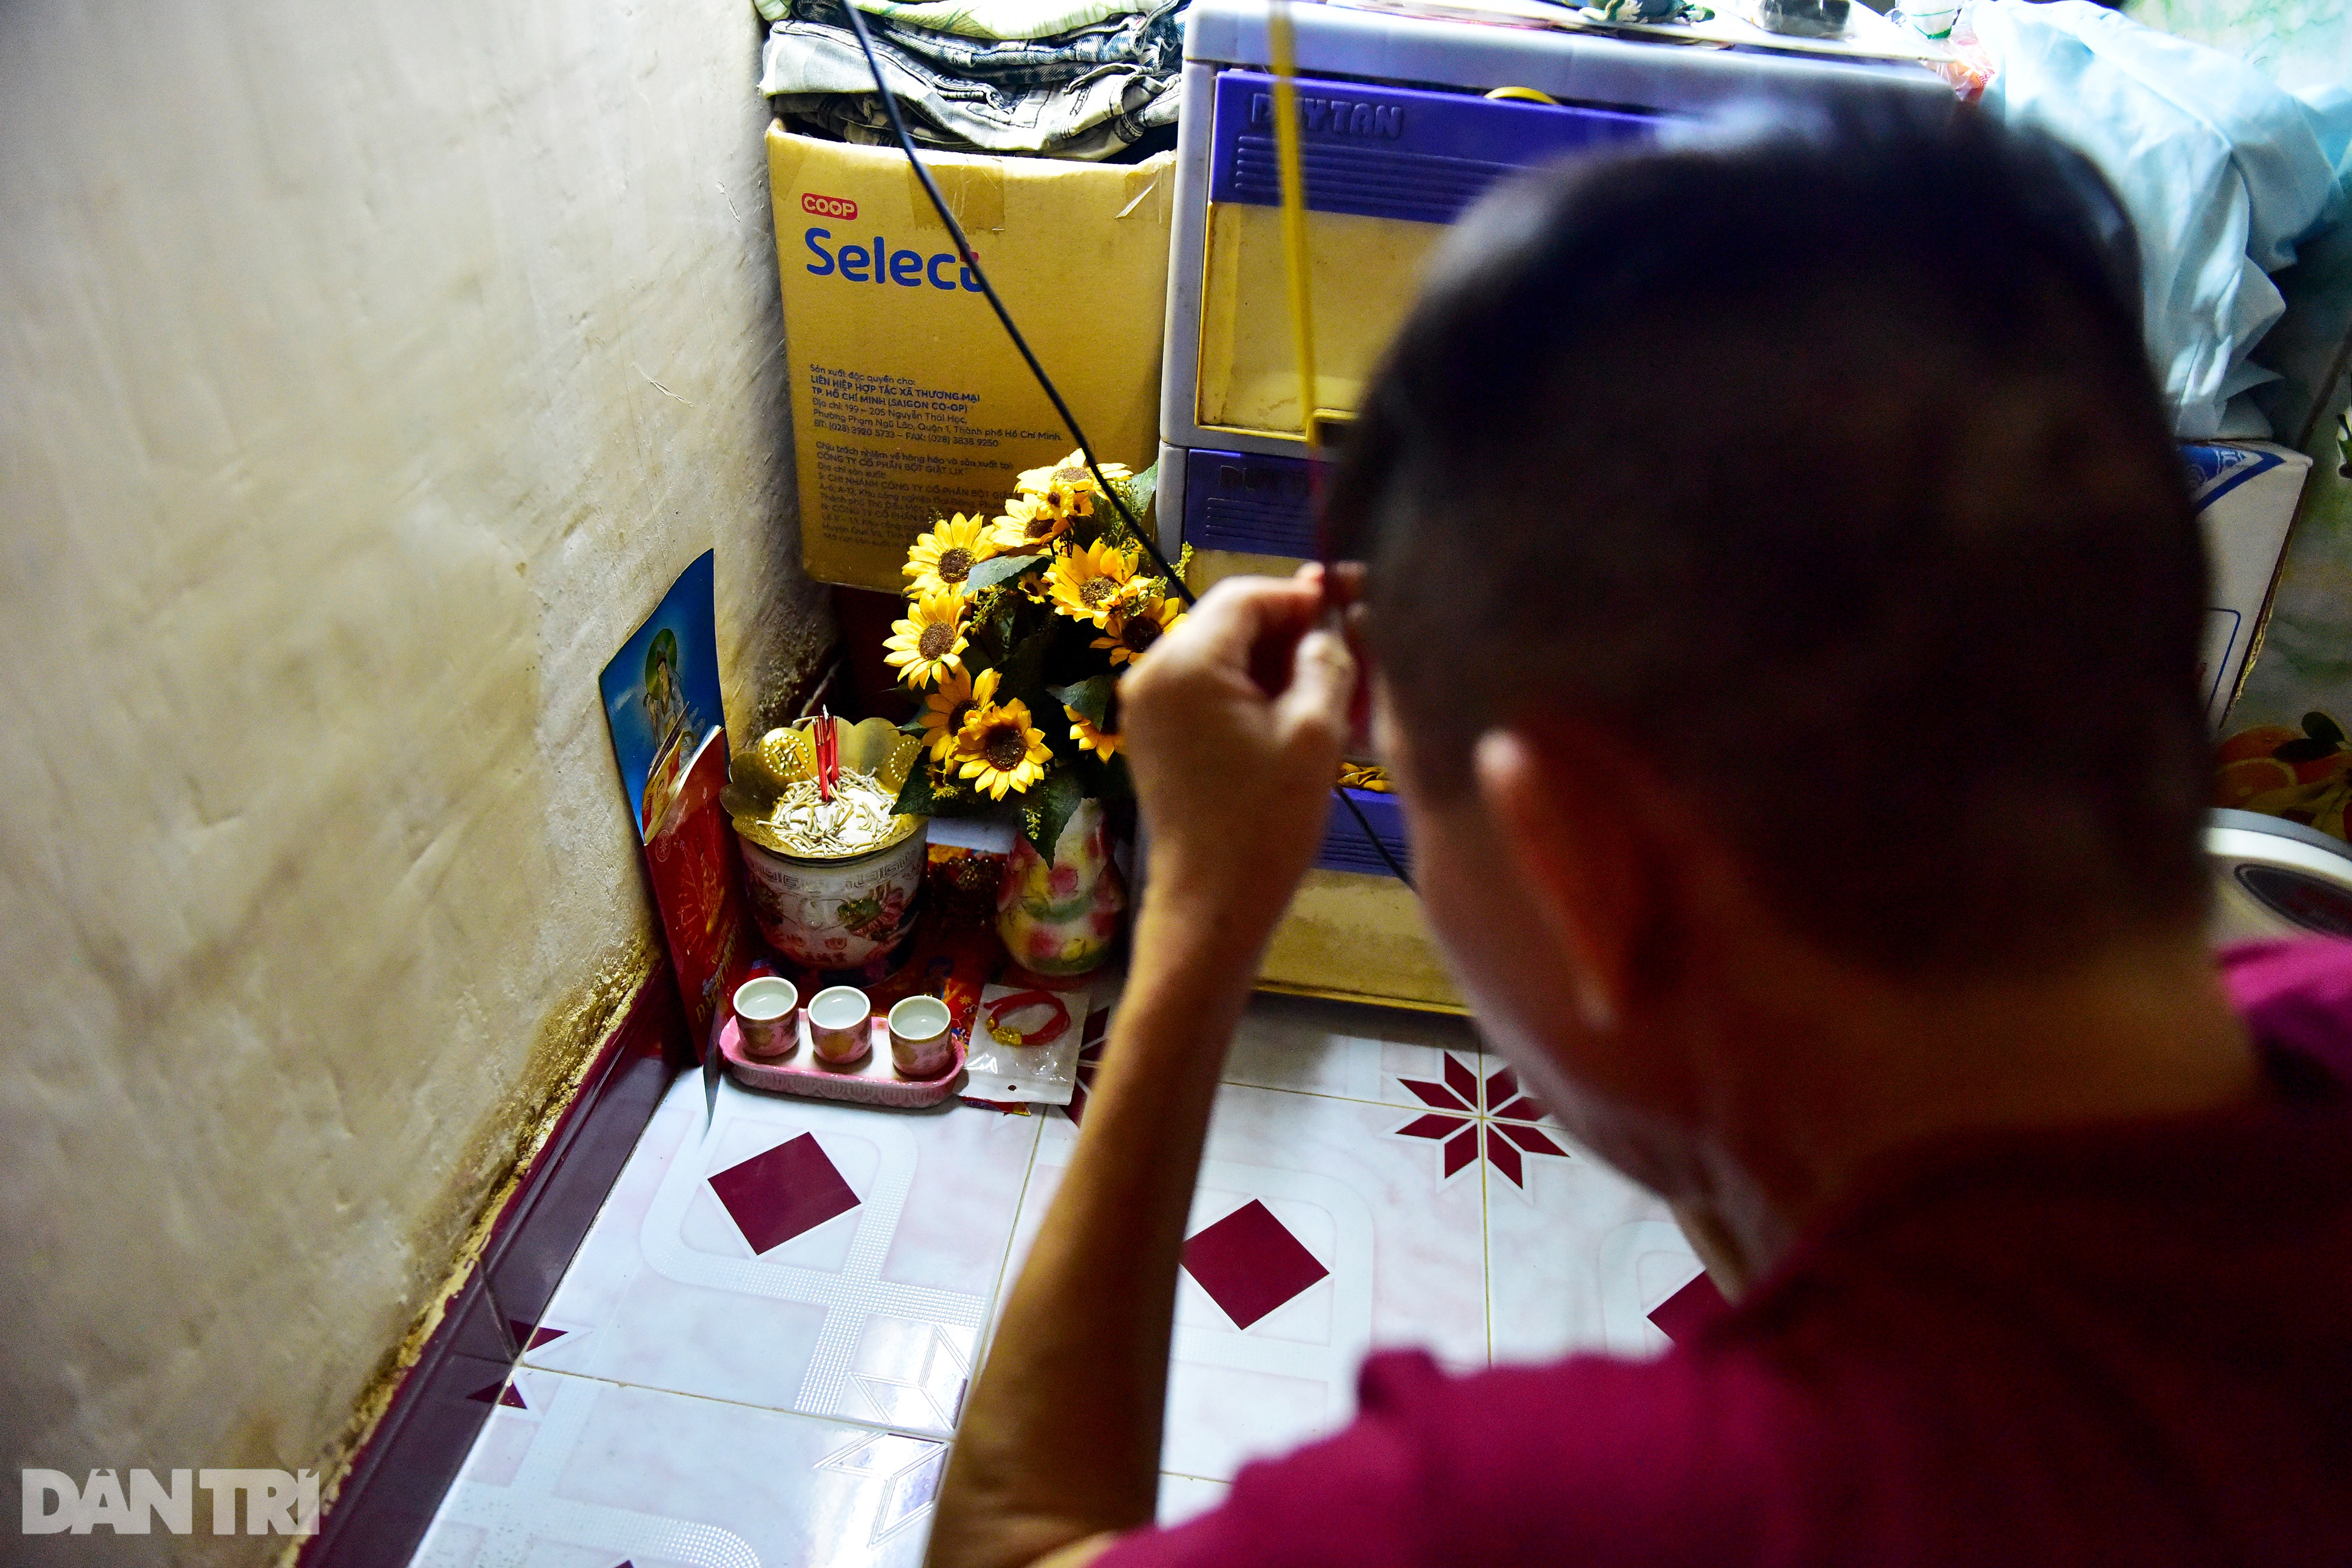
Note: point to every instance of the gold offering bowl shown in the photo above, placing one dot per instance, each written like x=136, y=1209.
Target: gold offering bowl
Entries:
x=758, y=774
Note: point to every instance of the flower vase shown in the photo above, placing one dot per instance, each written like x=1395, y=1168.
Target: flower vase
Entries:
x=1063, y=918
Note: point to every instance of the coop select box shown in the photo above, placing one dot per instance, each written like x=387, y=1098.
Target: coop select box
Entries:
x=908, y=401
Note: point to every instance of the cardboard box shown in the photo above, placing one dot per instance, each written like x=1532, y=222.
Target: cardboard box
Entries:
x=1358, y=938
x=908, y=400
x=2246, y=493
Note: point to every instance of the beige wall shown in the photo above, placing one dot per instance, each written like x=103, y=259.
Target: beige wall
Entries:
x=365, y=375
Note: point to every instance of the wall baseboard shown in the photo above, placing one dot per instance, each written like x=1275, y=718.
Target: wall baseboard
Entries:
x=398, y=1479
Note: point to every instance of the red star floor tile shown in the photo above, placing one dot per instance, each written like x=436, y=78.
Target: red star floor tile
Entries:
x=1505, y=1098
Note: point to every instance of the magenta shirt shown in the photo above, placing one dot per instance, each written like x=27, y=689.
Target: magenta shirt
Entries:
x=2129, y=1343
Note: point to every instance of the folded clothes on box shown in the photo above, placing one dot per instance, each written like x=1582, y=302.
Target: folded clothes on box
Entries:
x=982, y=19
x=1087, y=92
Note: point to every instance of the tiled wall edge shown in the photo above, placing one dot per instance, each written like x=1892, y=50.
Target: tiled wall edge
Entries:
x=397, y=1482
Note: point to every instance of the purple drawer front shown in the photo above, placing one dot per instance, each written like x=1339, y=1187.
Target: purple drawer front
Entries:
x=1394, y=152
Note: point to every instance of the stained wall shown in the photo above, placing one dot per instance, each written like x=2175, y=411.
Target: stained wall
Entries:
x=366, y=374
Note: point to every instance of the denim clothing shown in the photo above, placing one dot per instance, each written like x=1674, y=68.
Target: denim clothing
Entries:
x=982, y=19
x=1084, y=94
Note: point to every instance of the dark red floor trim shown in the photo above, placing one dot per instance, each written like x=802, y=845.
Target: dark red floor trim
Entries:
x=400, y=1476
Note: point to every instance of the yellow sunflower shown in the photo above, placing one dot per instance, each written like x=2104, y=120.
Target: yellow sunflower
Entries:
x=1092, y=584
x=1070, y=474
x=1028, y=525
x=930, y=642
x=945, y=709
x=942, y=559
x=1102, y=743
x=1068, y=500
x=1129, y=636
x=999, y=751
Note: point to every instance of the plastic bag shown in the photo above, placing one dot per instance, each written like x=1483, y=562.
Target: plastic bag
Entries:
x=2223, y=171
x=1025, y=1045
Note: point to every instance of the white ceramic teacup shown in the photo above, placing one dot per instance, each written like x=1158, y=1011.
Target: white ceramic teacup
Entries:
x=921, y=1045
x=764, y=1012
x=841, y=1025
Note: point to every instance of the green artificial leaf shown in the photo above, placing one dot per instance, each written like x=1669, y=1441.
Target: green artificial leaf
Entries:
x=915, y=796
x=999, y=569
x=1139, y=492
x=913, y=726
x=1024, y=672
x=1105, y=781
x=990, y=625
x=1048, y=810
x=1090, y=697
x=1118, y=783
x=996, y=615
x=2319, y=727
x=953, y=799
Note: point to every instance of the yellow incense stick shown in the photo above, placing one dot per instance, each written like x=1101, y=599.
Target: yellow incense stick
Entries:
x=1293, y=174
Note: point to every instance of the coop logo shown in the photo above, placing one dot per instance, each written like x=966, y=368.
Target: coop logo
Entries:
x=828, y=206
x=878, y=263
x=277, y=1502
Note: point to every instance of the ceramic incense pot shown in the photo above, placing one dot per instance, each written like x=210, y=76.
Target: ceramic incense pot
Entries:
x=838, y=911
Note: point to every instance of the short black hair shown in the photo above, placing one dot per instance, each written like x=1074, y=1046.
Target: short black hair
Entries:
x=1825, y=467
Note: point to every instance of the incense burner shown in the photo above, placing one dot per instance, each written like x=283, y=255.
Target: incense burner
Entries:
x=833, y=912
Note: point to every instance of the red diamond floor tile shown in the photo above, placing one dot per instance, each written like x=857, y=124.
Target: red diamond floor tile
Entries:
x=1503, y=1157
x=1682, y=1315
x=790, y=1189
x=1250, y=1263
x=1461, y=1080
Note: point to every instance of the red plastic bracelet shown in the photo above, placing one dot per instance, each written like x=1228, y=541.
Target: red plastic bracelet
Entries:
x=1047, y=1035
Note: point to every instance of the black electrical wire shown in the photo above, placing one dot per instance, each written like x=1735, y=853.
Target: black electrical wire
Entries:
x=1069, y=420
x=963, y=249
x=1380, y=848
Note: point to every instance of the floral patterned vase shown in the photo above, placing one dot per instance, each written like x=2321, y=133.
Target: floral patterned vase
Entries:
x=1063, y=918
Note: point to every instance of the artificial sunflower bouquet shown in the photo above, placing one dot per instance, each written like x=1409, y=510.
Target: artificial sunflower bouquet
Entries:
x=1017, y=631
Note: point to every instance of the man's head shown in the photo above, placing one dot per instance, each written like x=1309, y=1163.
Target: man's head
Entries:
x=1810, y=494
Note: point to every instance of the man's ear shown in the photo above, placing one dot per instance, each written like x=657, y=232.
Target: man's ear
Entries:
x=1568, y=828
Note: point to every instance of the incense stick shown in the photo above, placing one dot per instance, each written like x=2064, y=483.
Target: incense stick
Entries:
x=1282, y=46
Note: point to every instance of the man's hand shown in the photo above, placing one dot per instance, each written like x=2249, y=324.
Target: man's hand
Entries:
x=1234, y=722
x=1234, y=726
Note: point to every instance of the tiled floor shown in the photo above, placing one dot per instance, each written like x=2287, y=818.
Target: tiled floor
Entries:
x=761, y=1350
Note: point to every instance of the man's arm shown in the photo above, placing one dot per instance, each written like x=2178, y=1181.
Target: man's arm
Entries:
x=1059, y=1447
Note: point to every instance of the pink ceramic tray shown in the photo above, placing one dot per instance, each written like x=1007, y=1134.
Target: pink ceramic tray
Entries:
x=871, y=1082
